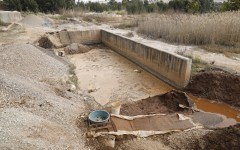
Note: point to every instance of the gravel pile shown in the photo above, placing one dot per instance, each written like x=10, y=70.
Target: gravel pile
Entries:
x=32, y=114
x=28, y=61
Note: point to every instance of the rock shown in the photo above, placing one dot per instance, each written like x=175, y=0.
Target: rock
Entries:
x=73, y=87
x=138, y=71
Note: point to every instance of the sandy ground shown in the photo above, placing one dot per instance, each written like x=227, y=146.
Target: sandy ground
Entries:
x=110, y=77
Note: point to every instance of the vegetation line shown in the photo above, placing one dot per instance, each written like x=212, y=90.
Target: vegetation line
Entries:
x=202, y=29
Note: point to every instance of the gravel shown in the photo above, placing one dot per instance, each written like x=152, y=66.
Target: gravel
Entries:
x=32, y=114
x=28, y=61
x=186, y=140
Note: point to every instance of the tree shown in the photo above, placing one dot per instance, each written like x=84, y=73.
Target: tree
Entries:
x=21, y=5
x=193, y=6
x=178, y=5
x=29, y=5
x=124, y=3
x=113, y=5
x=231, y=5
x=161, y=6
x=135, y=6
x=206, y=5
x=13, y=4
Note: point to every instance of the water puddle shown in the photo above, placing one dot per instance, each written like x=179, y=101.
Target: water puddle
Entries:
x=215, y=107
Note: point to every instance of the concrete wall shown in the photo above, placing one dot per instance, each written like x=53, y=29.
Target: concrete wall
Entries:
x=10, y=16
x=84, y=37
x=169, y=67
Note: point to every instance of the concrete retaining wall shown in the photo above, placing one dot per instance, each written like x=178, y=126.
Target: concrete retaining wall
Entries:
x=10, y=16
x=169, y=67
x=83, y=37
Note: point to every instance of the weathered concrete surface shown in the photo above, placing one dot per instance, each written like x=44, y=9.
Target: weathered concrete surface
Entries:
x=172, y=68
x=83, y=37
x=169, y=67
x=10, y=16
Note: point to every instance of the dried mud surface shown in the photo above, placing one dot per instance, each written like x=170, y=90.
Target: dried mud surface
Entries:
x=216, y=85
x=165, y=103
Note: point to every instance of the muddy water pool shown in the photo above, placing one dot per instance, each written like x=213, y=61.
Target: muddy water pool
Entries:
x=216, y=107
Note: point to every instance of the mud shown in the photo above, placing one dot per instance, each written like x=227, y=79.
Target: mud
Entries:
x=216, y=85
x=165, y=103
x=216, y=108
x=226, y=138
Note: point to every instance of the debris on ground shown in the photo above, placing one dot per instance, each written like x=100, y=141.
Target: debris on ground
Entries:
x=76, y=48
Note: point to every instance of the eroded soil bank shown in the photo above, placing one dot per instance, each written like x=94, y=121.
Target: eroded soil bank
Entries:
x=216, y=85
x=165, y=103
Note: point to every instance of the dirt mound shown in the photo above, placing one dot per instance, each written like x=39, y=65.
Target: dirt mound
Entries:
x=45, y=42
x=226, y=138
x=216, y=85
x=76, y=48
x=50, y=40
x=37, y=21
x=166, y=103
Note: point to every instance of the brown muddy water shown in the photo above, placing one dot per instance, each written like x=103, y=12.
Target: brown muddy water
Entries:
x=216, y=107
x=109, y=77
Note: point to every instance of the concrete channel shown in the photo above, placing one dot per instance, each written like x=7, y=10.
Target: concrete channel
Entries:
x=169, y=67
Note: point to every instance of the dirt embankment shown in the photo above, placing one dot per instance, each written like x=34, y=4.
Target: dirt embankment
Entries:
x=226, y=138
x=216, y=85
x=165, y=103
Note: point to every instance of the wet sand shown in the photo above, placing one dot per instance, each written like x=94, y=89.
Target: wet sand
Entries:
x=110, y=77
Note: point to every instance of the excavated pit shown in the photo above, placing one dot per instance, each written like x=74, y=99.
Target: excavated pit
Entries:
x=93, y=70
x=99, y=66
